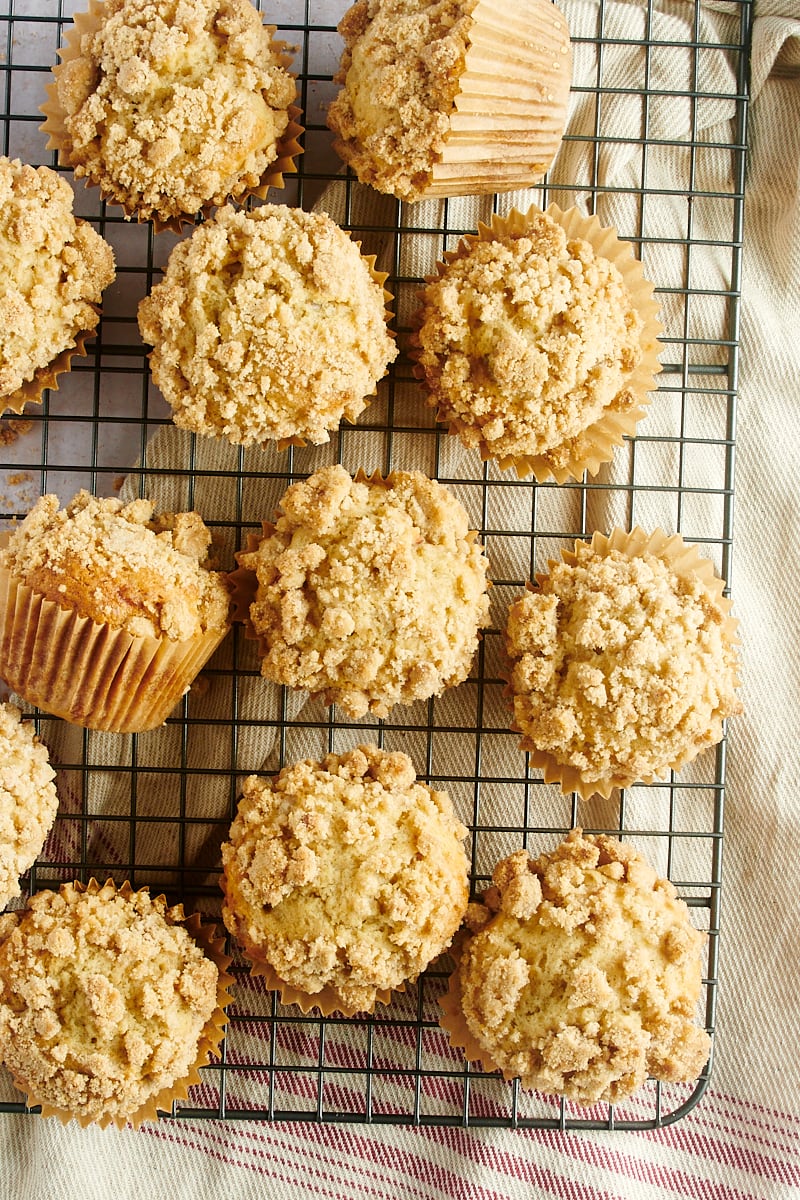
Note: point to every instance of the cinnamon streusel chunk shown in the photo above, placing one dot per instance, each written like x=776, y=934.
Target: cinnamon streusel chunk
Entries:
x=370, y=592
x=622, y=667
x=54, y=271
x=584, y=974
x=526, y=339
x=104, y=1000
x=28, y=800
x=268, y=325
x=119, y=565
x=172, y=105
x=345, y=877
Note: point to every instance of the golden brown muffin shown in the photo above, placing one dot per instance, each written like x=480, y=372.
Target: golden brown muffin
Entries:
x=623, y=661
x=28, y=800
x=268, y=325
x=172, y=106
x=107, y=1002
x=451, y=97
x=109, y=610
x=54, y=271
x=535, y=347
x=369, y=592
x=582, y=975
x=344, y=879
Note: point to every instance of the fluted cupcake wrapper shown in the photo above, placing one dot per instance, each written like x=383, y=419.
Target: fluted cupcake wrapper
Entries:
x=88, y=673
x=46, y=377
x=287, y=145
x=205, y=936
x=685, y=560
x=511, y=108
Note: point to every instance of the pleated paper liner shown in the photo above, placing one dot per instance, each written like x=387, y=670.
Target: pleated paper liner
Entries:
x=511, y=108
x=46, y=377
x=684, y=560
x=287, y=145
x=327, y=1001
x=596, y=444
x=88, y=673
x=452, y=1021
x=205, y=936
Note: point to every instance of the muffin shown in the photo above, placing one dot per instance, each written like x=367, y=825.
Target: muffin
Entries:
x=454, y=97
x=172, y=106
x=537, y=342
x=108, y=611
x=268, y=326
x=581, y=975
x=623, y=662
x=28, y=800
x=109, y=1002
x=368, y=592
x=55, y=268
x=344, y=879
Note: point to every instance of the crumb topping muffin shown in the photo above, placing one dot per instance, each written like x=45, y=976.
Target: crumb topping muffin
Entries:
x=268, y=325
x=173, y=105
x=451, y=97
x=525, y=340
x=120, y=565
x=400, y=67
x=54, y=271
x=370, y=592
x=28, y=800
x=104, y=998
x=347, y=877
x=620, y=666
x=584, y=973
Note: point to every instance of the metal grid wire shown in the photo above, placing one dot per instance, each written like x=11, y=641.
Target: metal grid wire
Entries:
x=155, y=810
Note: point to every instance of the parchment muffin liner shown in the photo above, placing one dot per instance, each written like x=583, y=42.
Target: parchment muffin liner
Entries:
x=596, y=444
x=212, y=1034
x=685, y=560
x=451, y=1017
x=89, y=673
x=287, y=145
x=46, y=377
x=511, y=108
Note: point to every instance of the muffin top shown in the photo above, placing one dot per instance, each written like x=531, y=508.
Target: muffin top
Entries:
x=347, y=876
x=54, y=271
x=584, y=973
x=525, y=340
x=370, y=592
x=104, y=998
x=268, y=325
x=28, y=800
x=621, y=667
x=172, y=105
x=120, y=565
x=400, y=69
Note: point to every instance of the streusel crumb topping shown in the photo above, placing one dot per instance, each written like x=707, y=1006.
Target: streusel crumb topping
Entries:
x=54, y=271
x=346, y=874
x=268, y=325
x=371, y=593
x=103, y=999
x=525, y=341
x=172, y=105
x=400, y=70
x=117, y=564
x=621, y=667
x=28, y=800
x=586, y=973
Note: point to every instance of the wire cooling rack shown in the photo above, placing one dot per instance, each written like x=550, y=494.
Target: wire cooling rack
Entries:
x=656, y=145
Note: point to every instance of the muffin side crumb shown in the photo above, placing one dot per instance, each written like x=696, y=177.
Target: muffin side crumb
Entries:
x=28, y=799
